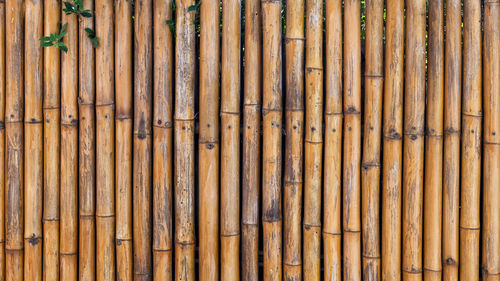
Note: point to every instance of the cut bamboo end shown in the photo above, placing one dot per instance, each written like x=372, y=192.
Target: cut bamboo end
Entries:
x=124, y=260
x=69, y=266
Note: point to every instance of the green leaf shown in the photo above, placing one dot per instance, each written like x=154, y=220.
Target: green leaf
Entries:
x=192, y=8
x=95, y=42
x=45, y=38
x=86, y=14
x=62, y=46
x=46, y=44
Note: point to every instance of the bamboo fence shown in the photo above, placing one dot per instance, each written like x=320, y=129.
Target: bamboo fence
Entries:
x=250, y=140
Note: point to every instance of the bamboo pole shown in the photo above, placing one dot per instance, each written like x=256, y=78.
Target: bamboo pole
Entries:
x=123, y=138
x=2, y=140
x=433, y=188
x=184, y=141
x=14, y=148
x=472, y=117
x=33, y=131
x=392, y=142
x=332, y=212
x=370, y=173
x=294, y=142
x=162, y=142
x=230, y=140
x=491, y=171
x=69, y=153
x=251, y=142
x=271, y=140
x=105, y=149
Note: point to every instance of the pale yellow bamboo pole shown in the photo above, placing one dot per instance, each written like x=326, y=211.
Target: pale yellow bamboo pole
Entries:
x=332, y=194
x=33, y=142
x=2, y=140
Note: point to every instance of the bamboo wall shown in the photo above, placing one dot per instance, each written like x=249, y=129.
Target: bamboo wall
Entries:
x=254, y=140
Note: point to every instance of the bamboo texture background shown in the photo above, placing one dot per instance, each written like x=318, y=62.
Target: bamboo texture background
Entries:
x=254, y=140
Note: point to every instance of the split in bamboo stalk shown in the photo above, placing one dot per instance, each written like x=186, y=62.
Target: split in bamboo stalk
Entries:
x=123, y=139
x=294, y=143
x=434, y=145
x=142, y=171
x=2, y=140
x=184, y=141
x=392, y=142
x=14, y=144
x=272, y=139
x=230, y=139
x=33, y=130
x=370, y=173
x=251, y=142
x=472, y=117
x=332, y=212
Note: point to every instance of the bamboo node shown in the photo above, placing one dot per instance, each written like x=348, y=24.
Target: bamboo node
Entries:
x=290, y=39
x=369, y=165
x=432, y=270
x=451, y=131
x=309, y=226
x=120, y=241
x=270, y=2
x=412, y=271
x=310, y=69
x=374, y=76
x=351, y=111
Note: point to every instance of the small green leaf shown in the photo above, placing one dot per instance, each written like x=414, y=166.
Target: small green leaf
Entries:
x=46, y=44
x=62, y=46
x=45, y=38
x=86, y=14
x=192, y=8
x=95, y=42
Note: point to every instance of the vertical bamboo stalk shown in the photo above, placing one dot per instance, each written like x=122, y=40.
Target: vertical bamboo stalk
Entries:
x=142, y=173
x=230, y=139
x=294, y=142
x=433, y=187
x=14, y=148
x=332, y=212
x=69, y=153
x=491, y=171
x=184, y=141
x=123, y=138
x=51, y=144
x=392, y=142
x=33, y=131
x=451, y=160
x=105, y=149
x=251, y=142
x=472, y=117
x=370, y=173
x=272, y=139
x=2, y=140
x=162, y=142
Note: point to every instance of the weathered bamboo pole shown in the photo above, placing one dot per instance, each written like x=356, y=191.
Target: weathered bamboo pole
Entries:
x=332, y=212
x=392, y=142
x=370, y=173
x=123, y=138
x=33, y=131
x=2, y=140
x=69, y=153
x=184, y=141
x=491, y=147
x=162, y=141
x=208, y=146
x=472, y=117
x=230, y=140
x=251, y=142
x=433, y=187
x=105, y=148
x=142, y=147
x=51, y=144
x=294, y=142
x=14, y=147
x=271, y=139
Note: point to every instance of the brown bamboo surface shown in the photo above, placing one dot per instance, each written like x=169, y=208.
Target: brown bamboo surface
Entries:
x=250, y=140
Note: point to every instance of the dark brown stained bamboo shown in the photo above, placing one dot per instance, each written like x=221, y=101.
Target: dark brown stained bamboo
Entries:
x=491, y=142
x=123, y=138
x=272, y=139
x=14, y=147
x=451, y=158
x=162, y=142
x=105, y=145
x=251, y=142
x=142, y=147
x=392, y=142
x=230, y=141
x=51, y=144
x=433, y=185
x=184, y=141
x=208, y=146
x=472, y=117
x=294, y=142
x=2, y=140
x=68, y=247
x=86, y=156
x=33, y=141
x=351, y=191
x=370, y=173
x=332, y=173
